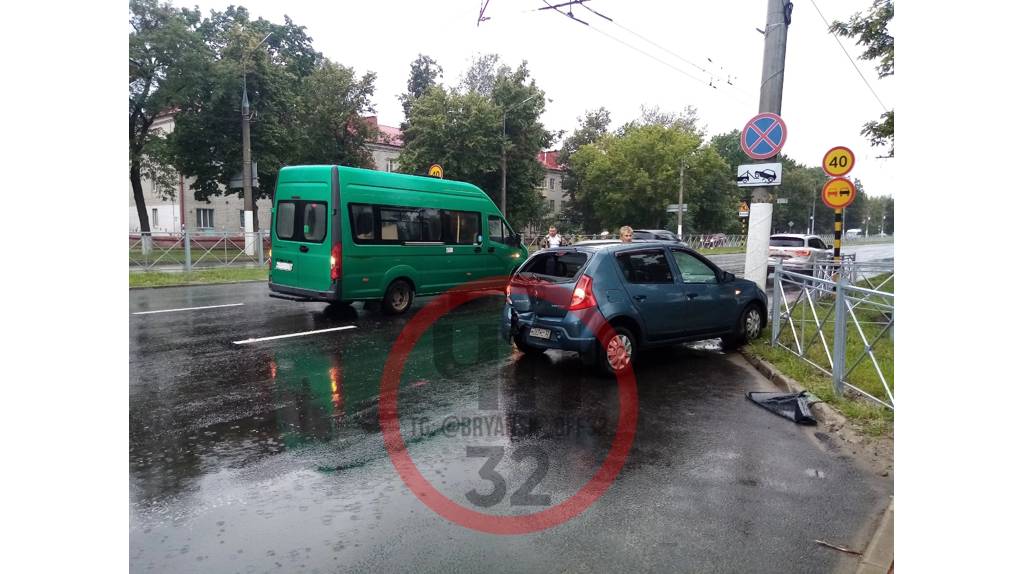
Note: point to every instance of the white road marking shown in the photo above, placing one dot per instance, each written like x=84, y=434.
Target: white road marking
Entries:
x=187, y=309
x=247, y=341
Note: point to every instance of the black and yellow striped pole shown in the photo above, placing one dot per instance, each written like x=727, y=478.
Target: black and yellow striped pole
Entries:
x=837, y=245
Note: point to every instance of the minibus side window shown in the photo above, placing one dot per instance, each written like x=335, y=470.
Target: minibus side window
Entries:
x=461, y=227
x=430, y=220
x=285, y=220
x=361, y=220
x=494, y=225
x=398, y=224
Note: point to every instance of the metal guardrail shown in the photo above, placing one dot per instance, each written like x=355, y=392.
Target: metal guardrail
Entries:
x=704, y=240
x=188, y=250
x=838, y=321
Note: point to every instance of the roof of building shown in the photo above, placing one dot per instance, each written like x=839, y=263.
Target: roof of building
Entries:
x=549, y=159
x=386, y=135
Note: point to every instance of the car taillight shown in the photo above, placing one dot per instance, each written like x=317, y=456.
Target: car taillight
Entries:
x=270, y=257
x=508, y=293
x=803, y=252
x=582, y=295
x=336, y=262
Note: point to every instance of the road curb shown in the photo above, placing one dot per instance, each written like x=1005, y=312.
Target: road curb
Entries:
x=879, y=556
x=198, y=284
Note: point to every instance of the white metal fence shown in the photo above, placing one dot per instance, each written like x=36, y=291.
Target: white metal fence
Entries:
x=840, y=320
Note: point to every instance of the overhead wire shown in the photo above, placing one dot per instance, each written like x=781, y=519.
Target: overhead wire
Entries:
x=854, y=64
x=630, y=46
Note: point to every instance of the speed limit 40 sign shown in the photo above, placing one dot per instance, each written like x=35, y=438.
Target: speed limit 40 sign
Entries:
x=838, y=161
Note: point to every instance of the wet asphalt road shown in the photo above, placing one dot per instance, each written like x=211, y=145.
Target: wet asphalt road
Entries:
x=268, y=456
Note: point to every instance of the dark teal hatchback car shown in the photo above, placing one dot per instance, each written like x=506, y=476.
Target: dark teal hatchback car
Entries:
x=607, y=301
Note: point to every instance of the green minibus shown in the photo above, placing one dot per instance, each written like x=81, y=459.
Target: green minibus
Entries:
x=341, y=234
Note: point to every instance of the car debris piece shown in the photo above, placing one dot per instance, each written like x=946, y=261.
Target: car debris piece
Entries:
x=793, y=406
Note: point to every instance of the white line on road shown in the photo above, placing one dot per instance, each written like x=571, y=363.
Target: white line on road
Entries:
x=247, y=341
x=187, y=309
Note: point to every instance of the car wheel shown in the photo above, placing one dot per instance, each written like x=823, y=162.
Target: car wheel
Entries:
x=526, y=348
x=398, y=297
x=748, y=328
x=617, y=351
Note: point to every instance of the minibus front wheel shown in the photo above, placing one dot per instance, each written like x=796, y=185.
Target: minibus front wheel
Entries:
x=398, y=297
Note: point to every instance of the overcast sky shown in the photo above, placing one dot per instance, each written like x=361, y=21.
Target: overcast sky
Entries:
x=825, y=102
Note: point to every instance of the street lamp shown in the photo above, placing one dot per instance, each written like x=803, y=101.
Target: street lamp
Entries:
x=504, y=151
x=247, y=154
x=867, y=231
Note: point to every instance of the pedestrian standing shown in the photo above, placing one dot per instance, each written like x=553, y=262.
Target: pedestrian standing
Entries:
x=553, y=239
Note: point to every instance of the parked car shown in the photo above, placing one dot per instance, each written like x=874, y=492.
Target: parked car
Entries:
x=713, y=240
x=660, y=234
x=649, y=294
x=798, y=252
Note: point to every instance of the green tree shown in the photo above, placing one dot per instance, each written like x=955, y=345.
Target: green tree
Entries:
x=872, y=32
x=161, y=45
x=424, y=74
x=630, y=178
x=592, y=127
x=461, y=129
x=305, y=108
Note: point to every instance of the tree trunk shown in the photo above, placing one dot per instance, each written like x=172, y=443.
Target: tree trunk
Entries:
x=135, y=175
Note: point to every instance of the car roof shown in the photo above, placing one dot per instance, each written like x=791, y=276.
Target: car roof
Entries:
x=615, y=245
x=794, y=235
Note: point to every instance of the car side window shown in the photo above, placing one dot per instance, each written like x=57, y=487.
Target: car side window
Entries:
x=817, y=243
x=645, y=267
x=495, y=228
x=692, y=269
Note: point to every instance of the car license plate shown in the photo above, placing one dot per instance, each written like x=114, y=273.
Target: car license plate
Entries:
x=540, y=333
x=284, y=266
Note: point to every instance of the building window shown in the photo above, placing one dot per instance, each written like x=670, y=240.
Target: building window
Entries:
x=204, y=218
x=392, y=165
x=551, y=205
x=156, y=218
x=241, y=218
x=551, y=183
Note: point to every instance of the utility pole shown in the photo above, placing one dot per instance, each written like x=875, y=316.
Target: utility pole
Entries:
x=247, y=173
x=679, y=225
x=504, y=151
x=773, y=70
x=250, y=247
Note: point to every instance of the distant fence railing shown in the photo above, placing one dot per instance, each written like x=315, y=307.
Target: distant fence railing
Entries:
x=188, y=250
x=841, y=322
x=702, y=240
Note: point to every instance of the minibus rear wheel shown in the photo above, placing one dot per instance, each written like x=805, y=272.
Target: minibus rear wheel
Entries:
x=398, y=297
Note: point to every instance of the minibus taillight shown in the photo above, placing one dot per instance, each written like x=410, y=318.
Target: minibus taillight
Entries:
x=582, y=295
x=336, y=262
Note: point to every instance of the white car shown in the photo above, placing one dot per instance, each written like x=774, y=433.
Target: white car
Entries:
x=798, y=252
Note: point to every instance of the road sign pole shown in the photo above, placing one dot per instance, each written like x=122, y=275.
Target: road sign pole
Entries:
x=837, y=246
x=679, y=225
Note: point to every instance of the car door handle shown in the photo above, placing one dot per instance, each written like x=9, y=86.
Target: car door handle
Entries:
x=304, y=249
x=640, y=298
x=692, y=295
x=490, y=250
x=476, y=250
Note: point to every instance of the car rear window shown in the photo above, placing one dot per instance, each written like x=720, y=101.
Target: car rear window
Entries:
x=555, y=266
x=786, y=242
